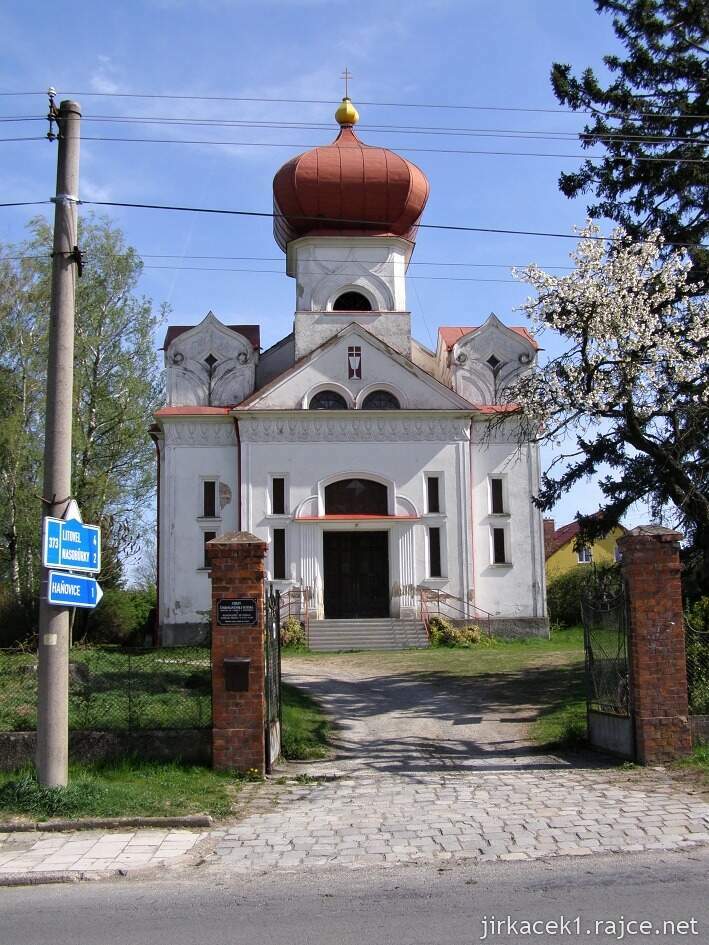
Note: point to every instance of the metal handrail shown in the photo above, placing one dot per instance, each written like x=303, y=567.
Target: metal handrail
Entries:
x=457, y=604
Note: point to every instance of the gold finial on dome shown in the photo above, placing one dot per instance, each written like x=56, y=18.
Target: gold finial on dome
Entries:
x=346, y=113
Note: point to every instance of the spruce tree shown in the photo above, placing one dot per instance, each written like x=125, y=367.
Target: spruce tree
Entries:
x=652, y=118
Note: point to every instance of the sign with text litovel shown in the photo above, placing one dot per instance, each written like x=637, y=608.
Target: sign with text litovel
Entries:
x=72, y=590
x=71, y=545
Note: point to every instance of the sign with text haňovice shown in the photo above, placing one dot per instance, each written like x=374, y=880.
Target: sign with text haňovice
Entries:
x=72, y=590
x=71, y=545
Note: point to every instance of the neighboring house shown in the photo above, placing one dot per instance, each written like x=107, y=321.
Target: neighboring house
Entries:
x=561, y=552
x=362, y=457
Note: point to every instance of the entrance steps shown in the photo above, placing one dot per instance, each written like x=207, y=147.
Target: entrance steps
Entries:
x=383, y=633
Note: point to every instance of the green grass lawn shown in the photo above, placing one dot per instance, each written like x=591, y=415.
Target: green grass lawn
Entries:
x=120, y=789
x=698, y=761
x=305, y=726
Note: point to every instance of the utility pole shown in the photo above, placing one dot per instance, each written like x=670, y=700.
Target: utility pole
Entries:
x=54, y=622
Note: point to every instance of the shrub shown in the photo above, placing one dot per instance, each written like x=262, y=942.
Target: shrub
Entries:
x=566, y=591
x=293, y=633
x=444, y=633
x=123, y=617
x=18, y=619
x=698, y=615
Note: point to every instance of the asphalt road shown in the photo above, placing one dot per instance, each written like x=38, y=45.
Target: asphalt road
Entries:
x=398, y=906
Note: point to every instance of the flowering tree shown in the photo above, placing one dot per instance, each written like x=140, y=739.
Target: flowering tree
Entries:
x=632, y=385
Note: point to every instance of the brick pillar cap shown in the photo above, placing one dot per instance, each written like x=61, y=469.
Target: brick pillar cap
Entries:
x=655, y=532
x=237, y=538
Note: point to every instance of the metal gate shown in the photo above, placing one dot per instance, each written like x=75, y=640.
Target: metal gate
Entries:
x=608, y=693
x=272, y=665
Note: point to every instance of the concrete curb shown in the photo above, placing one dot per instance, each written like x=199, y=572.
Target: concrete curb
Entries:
x=105, y=823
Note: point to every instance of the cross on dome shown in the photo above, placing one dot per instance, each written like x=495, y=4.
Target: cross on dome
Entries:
x=346, y=115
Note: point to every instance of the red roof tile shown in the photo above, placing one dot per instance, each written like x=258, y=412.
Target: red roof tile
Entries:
x=453, y=333
x=252, y=333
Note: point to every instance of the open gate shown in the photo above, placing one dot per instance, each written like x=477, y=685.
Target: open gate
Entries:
x=608, y=692
x=272, y=684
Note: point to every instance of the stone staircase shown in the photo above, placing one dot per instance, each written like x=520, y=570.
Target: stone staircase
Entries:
x=385, y=633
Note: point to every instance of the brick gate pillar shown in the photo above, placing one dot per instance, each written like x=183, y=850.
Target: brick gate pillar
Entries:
x=238, y=701
x=658, y=669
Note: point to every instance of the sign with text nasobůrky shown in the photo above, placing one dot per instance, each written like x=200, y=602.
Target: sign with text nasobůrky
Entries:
x=72, y=590
x=71, y=545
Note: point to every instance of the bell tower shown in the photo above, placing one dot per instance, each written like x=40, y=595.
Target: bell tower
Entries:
x=346, y=215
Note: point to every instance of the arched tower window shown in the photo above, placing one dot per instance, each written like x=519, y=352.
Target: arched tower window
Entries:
x=356, y=497
x=352, y=302
x=327, y=400
x=380, y=400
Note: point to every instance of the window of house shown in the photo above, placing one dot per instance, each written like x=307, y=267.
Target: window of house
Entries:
x=497, y=502
x=433, y=495
x=279, y=554
x=206, y=536
x=584, y=555
x=356, y=497
x=278, y=495
x=380, y=400
x=352, y=302
x=434, y=552
x=209, y=498
x=327, y=400
x=499, y=555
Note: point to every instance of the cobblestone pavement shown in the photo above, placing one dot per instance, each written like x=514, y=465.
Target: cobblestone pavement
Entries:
x=440, y=770
x=483, y=815
x=93, y=851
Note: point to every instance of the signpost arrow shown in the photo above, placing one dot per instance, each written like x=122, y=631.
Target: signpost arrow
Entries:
x=71, y=544
x=73, y=590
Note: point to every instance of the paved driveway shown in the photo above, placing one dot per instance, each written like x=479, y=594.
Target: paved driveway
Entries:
x=436, y=769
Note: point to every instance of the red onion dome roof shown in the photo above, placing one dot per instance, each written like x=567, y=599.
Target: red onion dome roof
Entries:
x=348, y=188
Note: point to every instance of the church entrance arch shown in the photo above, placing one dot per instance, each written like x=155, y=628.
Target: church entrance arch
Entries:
x=356, y=562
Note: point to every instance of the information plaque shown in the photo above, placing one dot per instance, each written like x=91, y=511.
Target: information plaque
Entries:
x=236, y=612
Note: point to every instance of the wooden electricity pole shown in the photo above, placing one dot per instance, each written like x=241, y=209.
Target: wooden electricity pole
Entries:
x=54, y=622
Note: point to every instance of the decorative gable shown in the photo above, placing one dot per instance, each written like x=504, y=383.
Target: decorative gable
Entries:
x=209, y=365
x=482, y=361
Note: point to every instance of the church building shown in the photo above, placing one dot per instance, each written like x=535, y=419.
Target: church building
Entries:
x=366, y=460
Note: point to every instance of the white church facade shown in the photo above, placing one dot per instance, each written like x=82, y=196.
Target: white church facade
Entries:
x=365, y=459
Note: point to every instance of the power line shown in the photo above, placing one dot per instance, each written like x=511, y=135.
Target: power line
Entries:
x=34, y=138
x=364, y=223
x=272, y=144
x=313, y=101
x=377, y=262
x=442, y=131
x=280, y=273
x=533, y=134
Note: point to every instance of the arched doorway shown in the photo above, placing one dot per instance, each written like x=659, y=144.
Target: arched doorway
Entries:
x=356, y=562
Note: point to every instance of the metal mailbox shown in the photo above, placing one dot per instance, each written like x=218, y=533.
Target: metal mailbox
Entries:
x=236, y=673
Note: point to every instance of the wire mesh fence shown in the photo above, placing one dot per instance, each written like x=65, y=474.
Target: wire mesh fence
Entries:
x=697, y=645
x=114, y=688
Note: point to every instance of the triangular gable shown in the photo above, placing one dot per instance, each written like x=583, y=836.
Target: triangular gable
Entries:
x=381, y=367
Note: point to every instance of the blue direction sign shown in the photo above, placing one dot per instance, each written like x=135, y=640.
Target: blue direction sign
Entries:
x=73, y=590
x=71, y=544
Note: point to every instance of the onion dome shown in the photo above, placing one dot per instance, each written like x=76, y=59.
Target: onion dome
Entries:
x=348, y=188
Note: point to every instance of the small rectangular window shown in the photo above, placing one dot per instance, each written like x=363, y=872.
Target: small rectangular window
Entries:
x=496, y=496
x=207, y=536
x=585, y=555
x=209, y=498
x=434, y=552
x=433, y=494
x=279, y=554
x=278, y=496
x=498, y=546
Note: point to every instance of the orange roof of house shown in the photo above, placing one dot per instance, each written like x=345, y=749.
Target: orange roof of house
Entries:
x=451, y=334
x=564, y=535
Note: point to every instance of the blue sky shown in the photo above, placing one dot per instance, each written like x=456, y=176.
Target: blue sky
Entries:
x=454, y=52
